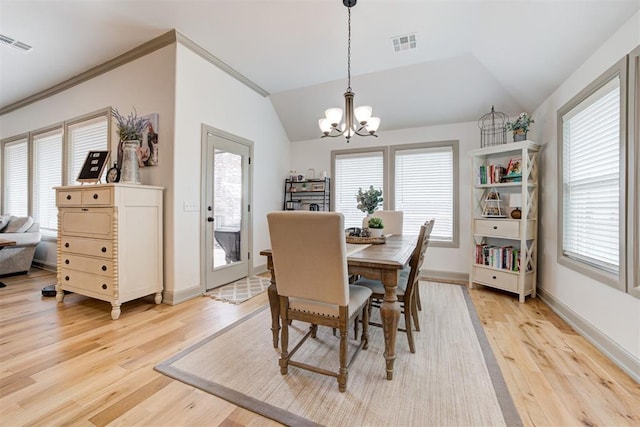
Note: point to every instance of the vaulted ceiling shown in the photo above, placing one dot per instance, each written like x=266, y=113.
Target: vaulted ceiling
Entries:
x=470, y=55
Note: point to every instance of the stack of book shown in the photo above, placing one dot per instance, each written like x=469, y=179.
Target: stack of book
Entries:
x=502, y=257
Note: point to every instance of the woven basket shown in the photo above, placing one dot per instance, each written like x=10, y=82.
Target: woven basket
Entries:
x=367, y=240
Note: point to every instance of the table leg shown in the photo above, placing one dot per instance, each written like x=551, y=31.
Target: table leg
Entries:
x=390, y=314
x=274, y=303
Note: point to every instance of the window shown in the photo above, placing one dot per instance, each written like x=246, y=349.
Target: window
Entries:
x=47, y=173
x=425, y=187
x=16, y=177
x=85, y=136
x=419, y=179
x=352, y=171
x=593, y=176
x=32, y=164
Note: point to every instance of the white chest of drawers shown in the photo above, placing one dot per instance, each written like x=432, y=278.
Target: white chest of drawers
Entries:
x=110, y=242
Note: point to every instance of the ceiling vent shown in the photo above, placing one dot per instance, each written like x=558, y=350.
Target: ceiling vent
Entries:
x=8, y=41
x=406, y=42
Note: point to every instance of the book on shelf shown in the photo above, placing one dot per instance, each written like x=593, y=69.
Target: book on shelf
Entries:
x=490, y=174
x=499, y=257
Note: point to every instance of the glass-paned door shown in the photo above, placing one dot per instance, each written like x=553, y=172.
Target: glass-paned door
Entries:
x=227, y=206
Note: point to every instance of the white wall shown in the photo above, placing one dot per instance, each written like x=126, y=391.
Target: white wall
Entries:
x=206, y=95
x=611, y=312
x=316, y=154
x=146, y=84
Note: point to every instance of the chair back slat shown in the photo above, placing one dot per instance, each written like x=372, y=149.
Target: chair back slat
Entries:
x=309, y=255
x=418, y=255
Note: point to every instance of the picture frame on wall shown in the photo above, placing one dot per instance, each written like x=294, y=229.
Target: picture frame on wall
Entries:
x=93, y=167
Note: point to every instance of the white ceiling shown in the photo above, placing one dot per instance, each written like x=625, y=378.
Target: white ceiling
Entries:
x=471, y=54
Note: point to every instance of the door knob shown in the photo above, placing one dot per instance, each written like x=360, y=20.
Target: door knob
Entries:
x=210, y=219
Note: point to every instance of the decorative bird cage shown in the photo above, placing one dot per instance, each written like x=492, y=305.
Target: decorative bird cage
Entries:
x=493, y=128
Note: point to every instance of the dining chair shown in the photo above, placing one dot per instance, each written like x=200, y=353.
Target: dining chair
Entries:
x=310, y=263
x=406, y=292
x=392, y=221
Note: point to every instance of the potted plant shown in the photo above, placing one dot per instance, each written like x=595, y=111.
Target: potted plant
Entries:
x=375, y=226
x=370, y=200
x=520, y=127
x=130, y=129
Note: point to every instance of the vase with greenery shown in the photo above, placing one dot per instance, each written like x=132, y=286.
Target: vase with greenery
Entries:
x=130, y=129
x=375, y=226
x=520, y=126
x=369, y=200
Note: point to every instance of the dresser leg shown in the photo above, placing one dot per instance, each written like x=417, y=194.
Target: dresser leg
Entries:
x=158, y=298
x=59, y=293
x=115, y=310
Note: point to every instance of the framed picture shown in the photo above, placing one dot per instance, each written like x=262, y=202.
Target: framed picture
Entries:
x=93, y=166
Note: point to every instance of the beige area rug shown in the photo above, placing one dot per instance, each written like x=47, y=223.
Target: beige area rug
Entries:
x=241, y=290
x=452, y=379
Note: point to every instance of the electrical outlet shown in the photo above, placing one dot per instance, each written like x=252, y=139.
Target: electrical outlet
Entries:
x=191, y=206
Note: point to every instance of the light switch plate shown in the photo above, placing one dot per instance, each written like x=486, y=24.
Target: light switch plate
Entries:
x=191, y=206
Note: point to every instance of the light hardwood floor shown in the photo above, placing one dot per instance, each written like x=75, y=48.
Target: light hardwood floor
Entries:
x=71, y=364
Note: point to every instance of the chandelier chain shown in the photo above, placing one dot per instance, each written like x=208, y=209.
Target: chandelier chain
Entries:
x=349, y=55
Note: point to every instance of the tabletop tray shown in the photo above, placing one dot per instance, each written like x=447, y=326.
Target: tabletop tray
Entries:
x=367, y=240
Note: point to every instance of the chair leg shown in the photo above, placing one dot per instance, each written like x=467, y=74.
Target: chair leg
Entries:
x=343, y=373
x=417, y=291
x=414, y=314
x=314, y=330
x=284, y=342
x=408, y=327
x=365, y=327
x=355, y=327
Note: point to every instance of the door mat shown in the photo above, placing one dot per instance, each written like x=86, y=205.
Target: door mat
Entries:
x=241, y=290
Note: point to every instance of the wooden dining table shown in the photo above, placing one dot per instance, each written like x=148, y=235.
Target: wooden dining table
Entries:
x=379, y=262
x=4, y=243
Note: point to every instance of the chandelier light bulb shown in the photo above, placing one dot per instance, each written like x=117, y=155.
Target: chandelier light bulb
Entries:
x=325, y=126
x=363, y=114
x=373, y=124
x=333, y=115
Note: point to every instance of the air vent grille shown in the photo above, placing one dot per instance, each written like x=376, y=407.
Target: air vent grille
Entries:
x=8, y=41
x=405, y=42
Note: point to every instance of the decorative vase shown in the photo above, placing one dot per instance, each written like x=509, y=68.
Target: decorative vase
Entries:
x=375, y=232
x=130, y=173
x=519, y=135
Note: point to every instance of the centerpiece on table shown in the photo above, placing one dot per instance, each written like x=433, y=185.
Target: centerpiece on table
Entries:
x=130, y=129
x=369, y=201
x=375, y=226
x=520, y=127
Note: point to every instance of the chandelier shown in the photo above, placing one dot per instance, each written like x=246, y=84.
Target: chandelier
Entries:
x=364, y=124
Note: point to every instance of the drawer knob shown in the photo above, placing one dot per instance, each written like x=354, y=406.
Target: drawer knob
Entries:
x=494, y=277
x=104, y=286
x=66, y=245
x=103, y=249
x=68, y=196
x=95, y=196
x=66, y=278
x=66, y=261
x=495, y=227
x=104, y=268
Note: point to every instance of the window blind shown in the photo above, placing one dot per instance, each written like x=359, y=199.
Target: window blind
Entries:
x=85, y=136
x=16, y=166
x=424, y=190
x=352, y=172
x=47, y=173
x=591, y=179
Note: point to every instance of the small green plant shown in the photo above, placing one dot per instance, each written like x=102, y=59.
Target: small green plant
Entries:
x=375, y=222
x=370, y=200
x=130, y=127
x=521, y=123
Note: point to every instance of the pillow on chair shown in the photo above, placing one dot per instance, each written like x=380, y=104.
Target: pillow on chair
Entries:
x=18, y=224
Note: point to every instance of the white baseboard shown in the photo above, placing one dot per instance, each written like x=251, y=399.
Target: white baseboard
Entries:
x=618, y=355
x=173, y=298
